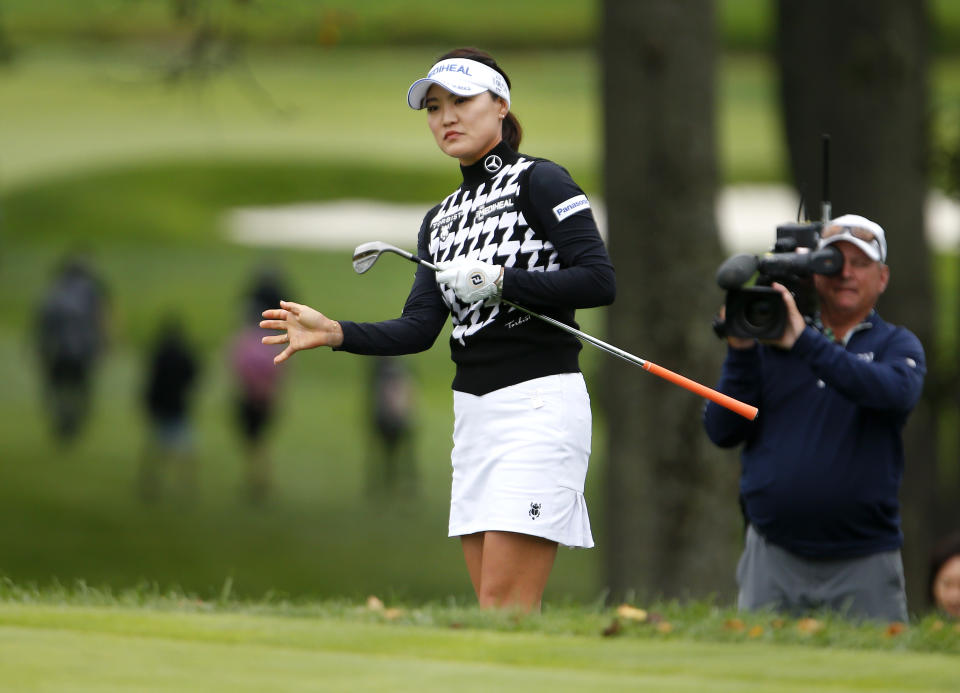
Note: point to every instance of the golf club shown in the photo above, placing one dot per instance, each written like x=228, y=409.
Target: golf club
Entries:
x=367, y=254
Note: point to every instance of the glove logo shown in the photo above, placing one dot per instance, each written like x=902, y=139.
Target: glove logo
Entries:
x=476, y=278
x=492, y=163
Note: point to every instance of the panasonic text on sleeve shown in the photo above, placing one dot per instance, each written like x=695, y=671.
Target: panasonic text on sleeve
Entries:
x=571, y=206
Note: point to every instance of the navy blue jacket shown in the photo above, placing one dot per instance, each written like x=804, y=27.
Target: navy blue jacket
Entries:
x=822, y=464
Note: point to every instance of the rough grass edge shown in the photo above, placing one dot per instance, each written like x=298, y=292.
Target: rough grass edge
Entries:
x=700, y=620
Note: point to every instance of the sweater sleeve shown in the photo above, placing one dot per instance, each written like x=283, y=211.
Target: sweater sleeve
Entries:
x=421, y=321
x=741, y=378
x=586, y=276
x=892, y=381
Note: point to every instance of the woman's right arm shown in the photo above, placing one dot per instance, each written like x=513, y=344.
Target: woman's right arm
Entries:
x=423, y=317
x=417, y=328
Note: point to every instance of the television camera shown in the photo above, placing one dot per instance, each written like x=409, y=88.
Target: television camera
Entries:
x=757, y=310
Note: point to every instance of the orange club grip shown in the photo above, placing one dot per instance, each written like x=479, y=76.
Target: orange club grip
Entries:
x=747, y=411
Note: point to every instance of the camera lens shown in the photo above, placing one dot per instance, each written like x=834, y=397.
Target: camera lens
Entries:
x=760, y=314
x=755, y=312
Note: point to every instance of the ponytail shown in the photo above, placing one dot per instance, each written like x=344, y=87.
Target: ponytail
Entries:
x=512, y=132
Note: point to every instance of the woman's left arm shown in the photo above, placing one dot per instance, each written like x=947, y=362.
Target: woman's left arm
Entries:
x=558, y=208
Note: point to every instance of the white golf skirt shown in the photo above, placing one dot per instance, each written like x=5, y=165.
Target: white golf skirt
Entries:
x=520, y=457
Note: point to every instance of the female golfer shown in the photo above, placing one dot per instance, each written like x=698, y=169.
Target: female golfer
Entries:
x=517, y=227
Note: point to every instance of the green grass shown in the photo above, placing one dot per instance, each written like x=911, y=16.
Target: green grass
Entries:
x=695, y=620
x=84, y=639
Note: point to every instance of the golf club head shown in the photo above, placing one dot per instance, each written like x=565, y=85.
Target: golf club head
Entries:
x=366, y=255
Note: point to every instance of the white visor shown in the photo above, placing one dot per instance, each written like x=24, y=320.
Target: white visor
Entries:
x=459, y=76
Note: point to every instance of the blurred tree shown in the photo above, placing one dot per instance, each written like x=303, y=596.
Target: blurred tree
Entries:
x=214, y=46
x=947, y=394
x=857, y=70
x=672, y=521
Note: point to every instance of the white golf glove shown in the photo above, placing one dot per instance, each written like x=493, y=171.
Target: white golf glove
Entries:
x=471, y=280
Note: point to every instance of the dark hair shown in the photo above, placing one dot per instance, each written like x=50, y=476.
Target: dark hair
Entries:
x=512, y=132
x=943, y=551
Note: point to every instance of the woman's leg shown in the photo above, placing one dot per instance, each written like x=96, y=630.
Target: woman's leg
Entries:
x=513, y=568
x=473, y=555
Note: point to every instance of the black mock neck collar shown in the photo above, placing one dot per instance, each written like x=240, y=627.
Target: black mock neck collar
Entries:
x=489, y=165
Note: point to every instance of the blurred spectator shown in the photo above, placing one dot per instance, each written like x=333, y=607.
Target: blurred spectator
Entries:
x=391, y=459
x=256, y=381
x=266, y=291
x=171, y=375
x=70, y=331
x=944, y=581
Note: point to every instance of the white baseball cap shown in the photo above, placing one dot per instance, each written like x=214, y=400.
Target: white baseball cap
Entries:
x=863, y=233
x=460, y=76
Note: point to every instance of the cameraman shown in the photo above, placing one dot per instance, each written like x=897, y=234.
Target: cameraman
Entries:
x=821, y=466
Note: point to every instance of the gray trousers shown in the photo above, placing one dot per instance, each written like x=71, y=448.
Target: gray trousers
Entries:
x=868, y=587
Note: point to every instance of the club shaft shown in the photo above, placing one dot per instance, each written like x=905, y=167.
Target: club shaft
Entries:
x=742, y=408
x=599, y=343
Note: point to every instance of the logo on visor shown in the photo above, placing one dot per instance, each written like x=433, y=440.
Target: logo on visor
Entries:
x=452, y=67
x=492, y=163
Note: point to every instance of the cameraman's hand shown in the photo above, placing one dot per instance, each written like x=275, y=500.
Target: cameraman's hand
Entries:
x=795, y=321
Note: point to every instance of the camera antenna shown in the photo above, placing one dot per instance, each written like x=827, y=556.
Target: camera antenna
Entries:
x=826, y=208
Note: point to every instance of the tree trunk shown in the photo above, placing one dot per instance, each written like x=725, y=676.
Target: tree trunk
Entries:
x=672, y=521
x=856, y=70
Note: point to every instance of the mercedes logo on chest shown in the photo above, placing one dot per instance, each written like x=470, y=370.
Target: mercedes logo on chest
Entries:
x=492, y=163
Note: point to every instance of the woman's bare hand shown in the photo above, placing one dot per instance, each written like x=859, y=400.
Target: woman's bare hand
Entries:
x=302, y=327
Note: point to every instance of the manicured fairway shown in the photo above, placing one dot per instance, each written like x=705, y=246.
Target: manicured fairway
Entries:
x=113, y=648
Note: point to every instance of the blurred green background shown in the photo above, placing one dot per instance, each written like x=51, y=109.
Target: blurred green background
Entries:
x=132, y=128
